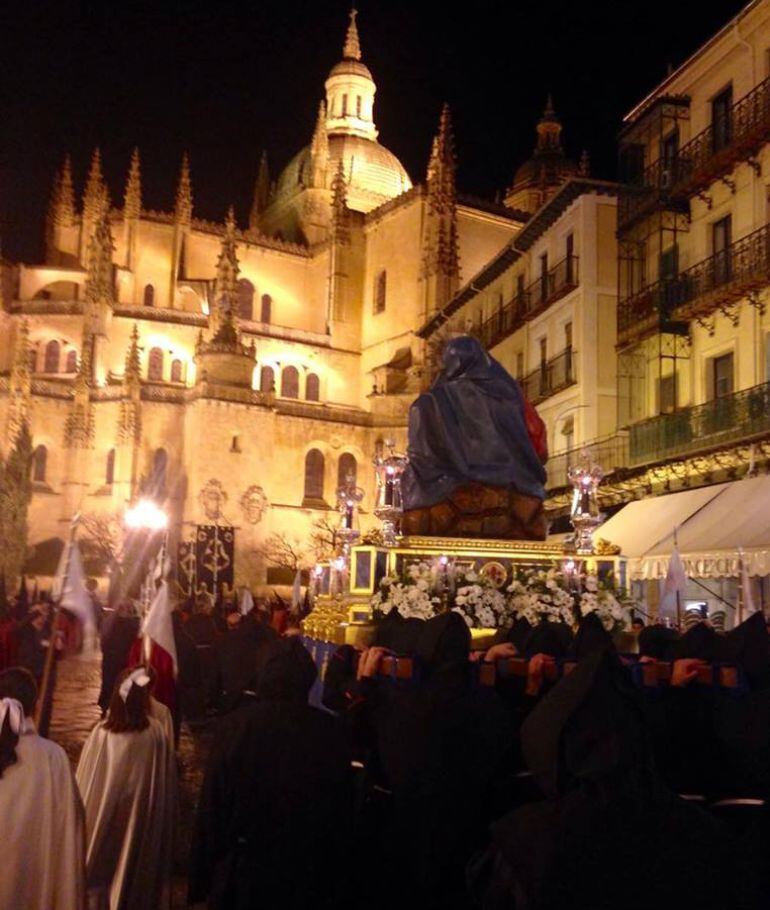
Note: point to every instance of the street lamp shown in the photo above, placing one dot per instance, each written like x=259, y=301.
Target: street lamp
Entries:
x=146, y=515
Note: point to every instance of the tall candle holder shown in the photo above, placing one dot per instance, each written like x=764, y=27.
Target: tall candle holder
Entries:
x=389, y=506
x=349, y=498
x=585, y=515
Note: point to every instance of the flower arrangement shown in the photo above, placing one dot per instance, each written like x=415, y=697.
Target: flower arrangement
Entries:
x=479, y=602
x=411, y=596
x=541, y=594
x=599, y=597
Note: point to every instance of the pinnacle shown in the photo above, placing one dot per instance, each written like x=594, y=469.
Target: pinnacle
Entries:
x=352, y=48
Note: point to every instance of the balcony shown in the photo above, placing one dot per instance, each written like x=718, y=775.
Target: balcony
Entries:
x=550, y=377
x=734, y=418
x=649, y=193
x=714, y=283
x=540, y=294
x=609, y=452
x=713, y=153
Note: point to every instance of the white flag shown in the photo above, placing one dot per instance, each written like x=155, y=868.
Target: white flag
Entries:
x=69, y=586
x=676, y=580
x=296, y=593
x=158, y=625
x=747, y=599
x=246, y=604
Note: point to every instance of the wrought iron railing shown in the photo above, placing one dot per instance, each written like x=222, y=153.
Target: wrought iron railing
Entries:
x=717, y=281
x=558, y=281
x=550, y=377
x=609, y=452
x=738, y=417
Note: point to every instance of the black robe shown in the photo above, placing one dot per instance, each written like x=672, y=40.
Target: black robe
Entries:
x=273, y=826
x=118, y=634
x=238, y=654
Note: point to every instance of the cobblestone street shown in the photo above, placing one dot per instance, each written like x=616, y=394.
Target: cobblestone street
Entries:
x=74, y=714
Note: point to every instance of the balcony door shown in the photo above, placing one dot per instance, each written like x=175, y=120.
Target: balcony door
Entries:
x=722, y=119
x=722, y=383
x=721, y=238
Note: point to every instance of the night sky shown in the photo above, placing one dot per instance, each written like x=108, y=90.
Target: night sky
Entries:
x=226, y=80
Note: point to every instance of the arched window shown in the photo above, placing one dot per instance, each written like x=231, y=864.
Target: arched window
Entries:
x=72, y=362
x=33, y=360
x=155, y=365
x=314, y=475
x=346, y=466
x=110, y=472
x=290, y=383
x=176, y=371
x=39, y=461
x=267, y=379
x=51, y=357
x=267, y=306
x=149, y=295
x=245, y=299
x=380, y=291
x=158, y=476
x=312, y=388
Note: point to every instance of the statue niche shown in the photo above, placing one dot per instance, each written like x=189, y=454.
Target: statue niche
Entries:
x=476, y=453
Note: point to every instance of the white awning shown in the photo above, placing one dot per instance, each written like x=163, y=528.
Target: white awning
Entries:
x=713, y=524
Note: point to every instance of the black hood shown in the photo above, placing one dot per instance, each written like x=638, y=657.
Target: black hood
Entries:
x=444, y=641
x=287, y=671
x=552, y=638
x=591, y=637
x=658, y=642
x=748, y=645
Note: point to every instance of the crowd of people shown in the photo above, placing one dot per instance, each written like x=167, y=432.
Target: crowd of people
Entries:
x=559, y=768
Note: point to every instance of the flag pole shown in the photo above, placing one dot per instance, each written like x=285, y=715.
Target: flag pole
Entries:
x=678, y=592
x=42, y=715
x=741, y=592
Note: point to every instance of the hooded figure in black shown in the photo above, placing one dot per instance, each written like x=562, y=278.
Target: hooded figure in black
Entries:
x=274, y=816
x=119, y=632
x=610, y=834
x=470, y=426
x=444, y=747
x=238, y=652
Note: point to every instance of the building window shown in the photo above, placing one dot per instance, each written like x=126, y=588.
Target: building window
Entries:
x=543, y=277
x=520, y=292
x=543, y=352
x=722, y=376
x=380, y=291
x=158, y=476
x=721, y=237
x=314, y=475
x=722, y=119
x=109, y=474
x=632, y=164
x=155, y=365
x=39, y=463
x=568, y=349
x=669, y=150
x=358, y=106
x=568, y=432
x=667, y=394
x=72, y=361
x=51, y=357
x=149, y=295
x=312, y=388
x=33, y=360
x=290, y=383
x=668, y=263
x=235, y=444
x=267, y=379
x=347, y=469
x=176, y=371
x=570, y=258
x=267, y=305
x=245, y=299
x=344, y=105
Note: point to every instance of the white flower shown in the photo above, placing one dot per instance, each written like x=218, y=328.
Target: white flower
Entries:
x=591, y=583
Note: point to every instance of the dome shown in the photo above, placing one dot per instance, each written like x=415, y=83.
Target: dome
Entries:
x=351, y=68
x=544, y=168
x=373, y=173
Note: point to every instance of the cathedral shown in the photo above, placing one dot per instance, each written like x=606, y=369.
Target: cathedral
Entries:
x=237, y=373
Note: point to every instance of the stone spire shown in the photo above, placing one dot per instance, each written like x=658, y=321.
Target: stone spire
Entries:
x=79, y=425
x=20, y=382
x=62, y=211
x=226, y=281
x=549, y=129
x=261, y=194
x=184, y=199
x=99, y=292
x=319, y=150
x=584, y=168
x=95, y=196
x=129, y=420
x=340, y=210
x=132, y=205
x=352, y=48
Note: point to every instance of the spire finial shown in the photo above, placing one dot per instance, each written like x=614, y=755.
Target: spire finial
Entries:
x=184, y=199
x=261, y=193
x=95, y=196
x=132, y=205
x=352, y=49
x=584, y=168
x=230, y=221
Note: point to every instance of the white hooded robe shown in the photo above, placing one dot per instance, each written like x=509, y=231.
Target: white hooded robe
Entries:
x=128, y=784
x=41, y=829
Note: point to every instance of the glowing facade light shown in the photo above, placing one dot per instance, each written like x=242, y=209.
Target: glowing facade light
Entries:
x=147, y=515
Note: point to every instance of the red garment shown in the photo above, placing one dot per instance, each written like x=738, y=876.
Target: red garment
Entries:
x=162, y=663
x=71, y=630
x=279, y=620
x=8, y=645
x=536, y=429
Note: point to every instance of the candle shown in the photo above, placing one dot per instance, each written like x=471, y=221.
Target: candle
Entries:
x=348, y=515
x=389, y=484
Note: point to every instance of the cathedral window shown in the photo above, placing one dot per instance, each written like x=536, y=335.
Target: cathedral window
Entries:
x=312, y=388
x=267, y=306
x=33, y=360
x=267, y=379
x=290, y=383
x=149, y=295
x=380, y=290
x=155, y=365
x=157, y=486
x=51, y=357
x=39, y=462
x=110, y=472
x=314, y=475
x=245, y=299
x=347, y=466
x=358, y=106
x=176, y=371
x=344, y=105
x=72, y=362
